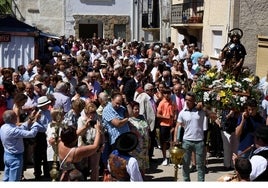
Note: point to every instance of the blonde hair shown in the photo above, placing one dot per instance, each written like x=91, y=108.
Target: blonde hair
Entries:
x=57, y=115
x=90, y=107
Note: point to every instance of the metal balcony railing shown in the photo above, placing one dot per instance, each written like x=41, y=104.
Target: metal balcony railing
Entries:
x=187, y=13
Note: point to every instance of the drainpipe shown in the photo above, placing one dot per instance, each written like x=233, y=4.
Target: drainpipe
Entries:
x=161, y=34
x=64, y=14
x=132, y=21
x=229, y=18
x=138, y=20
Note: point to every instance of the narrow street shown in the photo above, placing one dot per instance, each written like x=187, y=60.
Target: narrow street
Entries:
x=165, y=173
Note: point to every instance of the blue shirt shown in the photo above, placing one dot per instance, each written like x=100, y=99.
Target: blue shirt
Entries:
x=96, y=88
x=27, y=75
x=44, y=120
x=195, y=56
x=109, y=113
x=62, y=101
x=247, y=136
x=12, y=136
x=70, y=118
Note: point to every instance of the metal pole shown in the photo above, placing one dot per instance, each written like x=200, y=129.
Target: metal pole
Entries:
x=176, y=172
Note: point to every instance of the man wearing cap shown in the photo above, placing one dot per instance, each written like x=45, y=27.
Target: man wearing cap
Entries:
x=122, y=166
x=40, y=149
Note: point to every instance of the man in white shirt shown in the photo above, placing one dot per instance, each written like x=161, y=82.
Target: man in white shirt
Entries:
x=193, y=121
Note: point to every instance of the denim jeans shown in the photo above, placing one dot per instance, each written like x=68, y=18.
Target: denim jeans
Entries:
x=198, y=148
x=13, y=166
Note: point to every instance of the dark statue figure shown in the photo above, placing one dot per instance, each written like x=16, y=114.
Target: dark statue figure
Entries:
x=233, y=53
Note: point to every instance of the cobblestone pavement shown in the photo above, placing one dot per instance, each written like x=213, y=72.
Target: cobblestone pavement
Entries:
x=166, y=173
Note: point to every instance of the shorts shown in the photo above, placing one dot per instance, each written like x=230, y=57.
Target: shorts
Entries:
x=165, y=135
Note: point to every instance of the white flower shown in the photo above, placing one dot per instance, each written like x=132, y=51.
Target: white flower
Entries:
x=227, y=86
x=216, y=82
x=238, y=84
x=247, y=80
x=236, y=89
x=243, y=99
x=206, y=96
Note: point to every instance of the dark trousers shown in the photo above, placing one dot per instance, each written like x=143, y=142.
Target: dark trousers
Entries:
x=2, y=165
x=152, y=135
x=40, y=156
x=216, y=145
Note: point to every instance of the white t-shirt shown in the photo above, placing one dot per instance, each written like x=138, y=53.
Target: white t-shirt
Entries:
x=132, y=169
x=194, y=122
x=258, y=164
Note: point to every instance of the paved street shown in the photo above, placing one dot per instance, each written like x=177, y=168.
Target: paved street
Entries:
x=166, y=173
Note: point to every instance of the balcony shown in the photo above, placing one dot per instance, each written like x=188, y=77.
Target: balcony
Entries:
x=187, y=13
x=149, y=20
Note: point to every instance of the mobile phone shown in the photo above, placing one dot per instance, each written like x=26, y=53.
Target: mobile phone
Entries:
x=92, y=123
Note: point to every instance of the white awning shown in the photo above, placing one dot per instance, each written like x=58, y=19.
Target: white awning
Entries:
x=48, y=35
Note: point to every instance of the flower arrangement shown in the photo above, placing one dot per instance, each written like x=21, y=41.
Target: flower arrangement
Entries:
x=220, y=90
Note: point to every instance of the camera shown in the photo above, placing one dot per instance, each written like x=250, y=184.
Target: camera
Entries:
x=92, y=123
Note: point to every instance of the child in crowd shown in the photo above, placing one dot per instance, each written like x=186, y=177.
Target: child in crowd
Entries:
x=165, y=113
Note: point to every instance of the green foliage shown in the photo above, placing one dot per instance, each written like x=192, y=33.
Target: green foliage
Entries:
x=5, y=7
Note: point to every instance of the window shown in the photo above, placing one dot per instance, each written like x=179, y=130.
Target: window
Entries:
x=216, y=42
x=120, y=30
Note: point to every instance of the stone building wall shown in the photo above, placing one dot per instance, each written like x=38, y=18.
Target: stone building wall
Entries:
x=253, y=21
x=107, y=21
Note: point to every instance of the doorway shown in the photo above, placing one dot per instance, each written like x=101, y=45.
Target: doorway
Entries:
x=88, y=30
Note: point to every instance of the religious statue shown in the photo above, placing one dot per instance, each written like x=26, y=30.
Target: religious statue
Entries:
x=233, y=53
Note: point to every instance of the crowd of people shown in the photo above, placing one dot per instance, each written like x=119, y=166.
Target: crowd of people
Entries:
x=78, y=104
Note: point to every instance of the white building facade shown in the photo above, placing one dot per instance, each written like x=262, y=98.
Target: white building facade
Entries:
x=147, y=20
